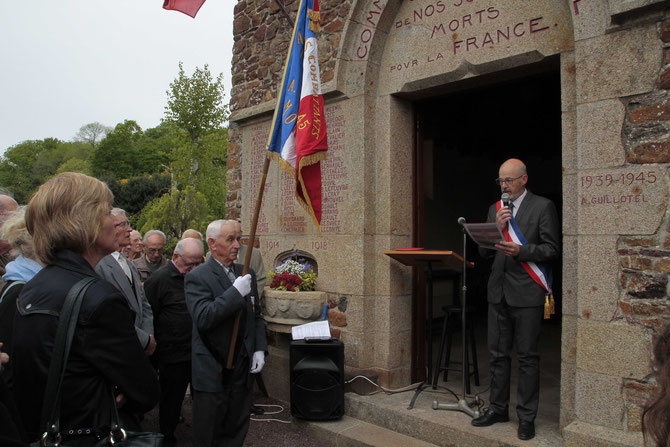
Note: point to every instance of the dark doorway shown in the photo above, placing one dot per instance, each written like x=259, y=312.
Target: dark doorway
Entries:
x=462, y=138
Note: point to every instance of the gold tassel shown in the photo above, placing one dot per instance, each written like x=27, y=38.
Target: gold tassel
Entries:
x=547, y=308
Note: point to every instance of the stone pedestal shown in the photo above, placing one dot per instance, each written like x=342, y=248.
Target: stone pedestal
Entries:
x=284, y=308
x=282, y=311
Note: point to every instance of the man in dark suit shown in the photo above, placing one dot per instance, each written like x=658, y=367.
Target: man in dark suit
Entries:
x=118, y=270
x=516, y=300
x=165, y=292
x=215, y=293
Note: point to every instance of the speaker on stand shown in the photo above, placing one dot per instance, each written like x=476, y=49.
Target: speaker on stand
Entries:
x=317, y=379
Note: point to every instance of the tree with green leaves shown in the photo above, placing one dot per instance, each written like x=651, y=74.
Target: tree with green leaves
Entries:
x=195, y=113
x=127, y=151
x=27, y=165
x=195, y=104
x=92, y=133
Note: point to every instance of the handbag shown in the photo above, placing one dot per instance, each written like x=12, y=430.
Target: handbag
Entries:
x=50, y=419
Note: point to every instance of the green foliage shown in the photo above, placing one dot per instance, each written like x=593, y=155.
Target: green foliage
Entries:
x=92, y=133
x=173, y=213
x=135, y=193
x=192, y=124
x=127, y=152
x=26, y=165
x=195, y=104
x=75, y=165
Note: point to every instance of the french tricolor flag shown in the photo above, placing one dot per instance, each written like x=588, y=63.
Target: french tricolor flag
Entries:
x=298, y=136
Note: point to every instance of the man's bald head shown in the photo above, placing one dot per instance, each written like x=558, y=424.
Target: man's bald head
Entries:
x=191, y=233
x=512, y=177
x=515, y=165
x=187, y=254
x=7, y=206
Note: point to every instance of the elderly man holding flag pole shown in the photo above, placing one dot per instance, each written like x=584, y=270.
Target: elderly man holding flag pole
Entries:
x=298, y=140
x=298, y=136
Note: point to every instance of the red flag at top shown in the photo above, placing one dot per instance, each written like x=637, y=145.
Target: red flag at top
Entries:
x=188, y=7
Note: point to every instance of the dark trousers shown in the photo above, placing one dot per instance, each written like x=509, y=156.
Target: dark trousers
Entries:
x=222, y=419
x=174, y=379
x=521, y=326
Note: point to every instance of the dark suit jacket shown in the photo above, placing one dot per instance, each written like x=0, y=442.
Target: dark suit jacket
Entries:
x=109, y=269
x=104, y=351
x=213, y=303
x=538, y=221
x=172, y=322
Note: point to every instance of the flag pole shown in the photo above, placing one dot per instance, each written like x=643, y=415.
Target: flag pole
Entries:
x=252, y=233
x=247, y=258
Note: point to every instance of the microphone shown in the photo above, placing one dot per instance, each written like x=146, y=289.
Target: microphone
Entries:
x=461, y=220
x=506, y=199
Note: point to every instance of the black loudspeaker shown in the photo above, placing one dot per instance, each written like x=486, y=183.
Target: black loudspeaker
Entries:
x=317, y=379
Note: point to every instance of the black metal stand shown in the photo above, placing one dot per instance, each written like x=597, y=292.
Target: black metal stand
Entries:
x=428, y=383
x=462, y=404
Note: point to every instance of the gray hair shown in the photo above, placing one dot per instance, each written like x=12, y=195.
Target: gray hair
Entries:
x=151, y=233
x=180, y=248
x=214, y=228
x=118, y=212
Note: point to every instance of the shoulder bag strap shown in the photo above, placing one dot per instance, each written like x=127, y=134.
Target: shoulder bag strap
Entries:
x=14, y=283
x=67, y=322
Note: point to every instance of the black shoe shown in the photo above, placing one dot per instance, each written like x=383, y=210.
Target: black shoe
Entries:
x=489, y=418
x=526, y=430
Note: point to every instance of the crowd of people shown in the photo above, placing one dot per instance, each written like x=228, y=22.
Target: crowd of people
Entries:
x=148, y=326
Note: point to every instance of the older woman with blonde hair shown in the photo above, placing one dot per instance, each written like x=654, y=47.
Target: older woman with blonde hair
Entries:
x=17, y=273
x=72, y=228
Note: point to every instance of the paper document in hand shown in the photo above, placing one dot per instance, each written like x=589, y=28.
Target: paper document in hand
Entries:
x=484, y=234
x=317, y=330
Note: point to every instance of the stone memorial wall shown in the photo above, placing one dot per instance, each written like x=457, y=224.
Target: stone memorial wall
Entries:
x=615, y=76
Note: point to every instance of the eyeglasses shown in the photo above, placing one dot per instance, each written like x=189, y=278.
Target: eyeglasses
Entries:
x=154, y=250
x=123, y=224
x=507, y=180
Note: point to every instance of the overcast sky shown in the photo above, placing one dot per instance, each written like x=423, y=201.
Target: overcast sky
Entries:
x=67, y=63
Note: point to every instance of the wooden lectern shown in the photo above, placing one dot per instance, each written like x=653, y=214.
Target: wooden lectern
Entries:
x=428, y=259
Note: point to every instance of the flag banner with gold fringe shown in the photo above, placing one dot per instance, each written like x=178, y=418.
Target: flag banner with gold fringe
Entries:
x=298, y=136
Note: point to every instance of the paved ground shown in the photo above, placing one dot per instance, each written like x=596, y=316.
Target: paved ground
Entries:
x=266, y=434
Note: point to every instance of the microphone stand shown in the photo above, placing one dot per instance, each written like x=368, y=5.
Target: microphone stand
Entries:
x=462, y=404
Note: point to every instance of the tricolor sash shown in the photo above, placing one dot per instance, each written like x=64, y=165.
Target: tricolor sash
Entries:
x=538, y=273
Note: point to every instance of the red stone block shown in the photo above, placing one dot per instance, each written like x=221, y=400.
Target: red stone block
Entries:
x=656, y=112
x=658, y=152
x=664, y=79
x=241, y=24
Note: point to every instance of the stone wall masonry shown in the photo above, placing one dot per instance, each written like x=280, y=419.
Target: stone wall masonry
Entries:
x=645, y=260
x=626, y=135
x=262, y=35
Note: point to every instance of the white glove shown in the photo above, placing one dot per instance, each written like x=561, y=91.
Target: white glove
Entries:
x=257, y=362
x=243, y=284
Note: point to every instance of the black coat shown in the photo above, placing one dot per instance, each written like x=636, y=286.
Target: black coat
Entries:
x=10, y=293
x=105, y=349
x=172, y=322
x=213, y=303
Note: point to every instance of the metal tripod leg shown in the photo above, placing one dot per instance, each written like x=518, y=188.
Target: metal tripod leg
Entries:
x=462, y=405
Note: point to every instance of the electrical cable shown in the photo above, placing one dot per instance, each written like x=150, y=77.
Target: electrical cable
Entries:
x=281, y=409
x=382, y=389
